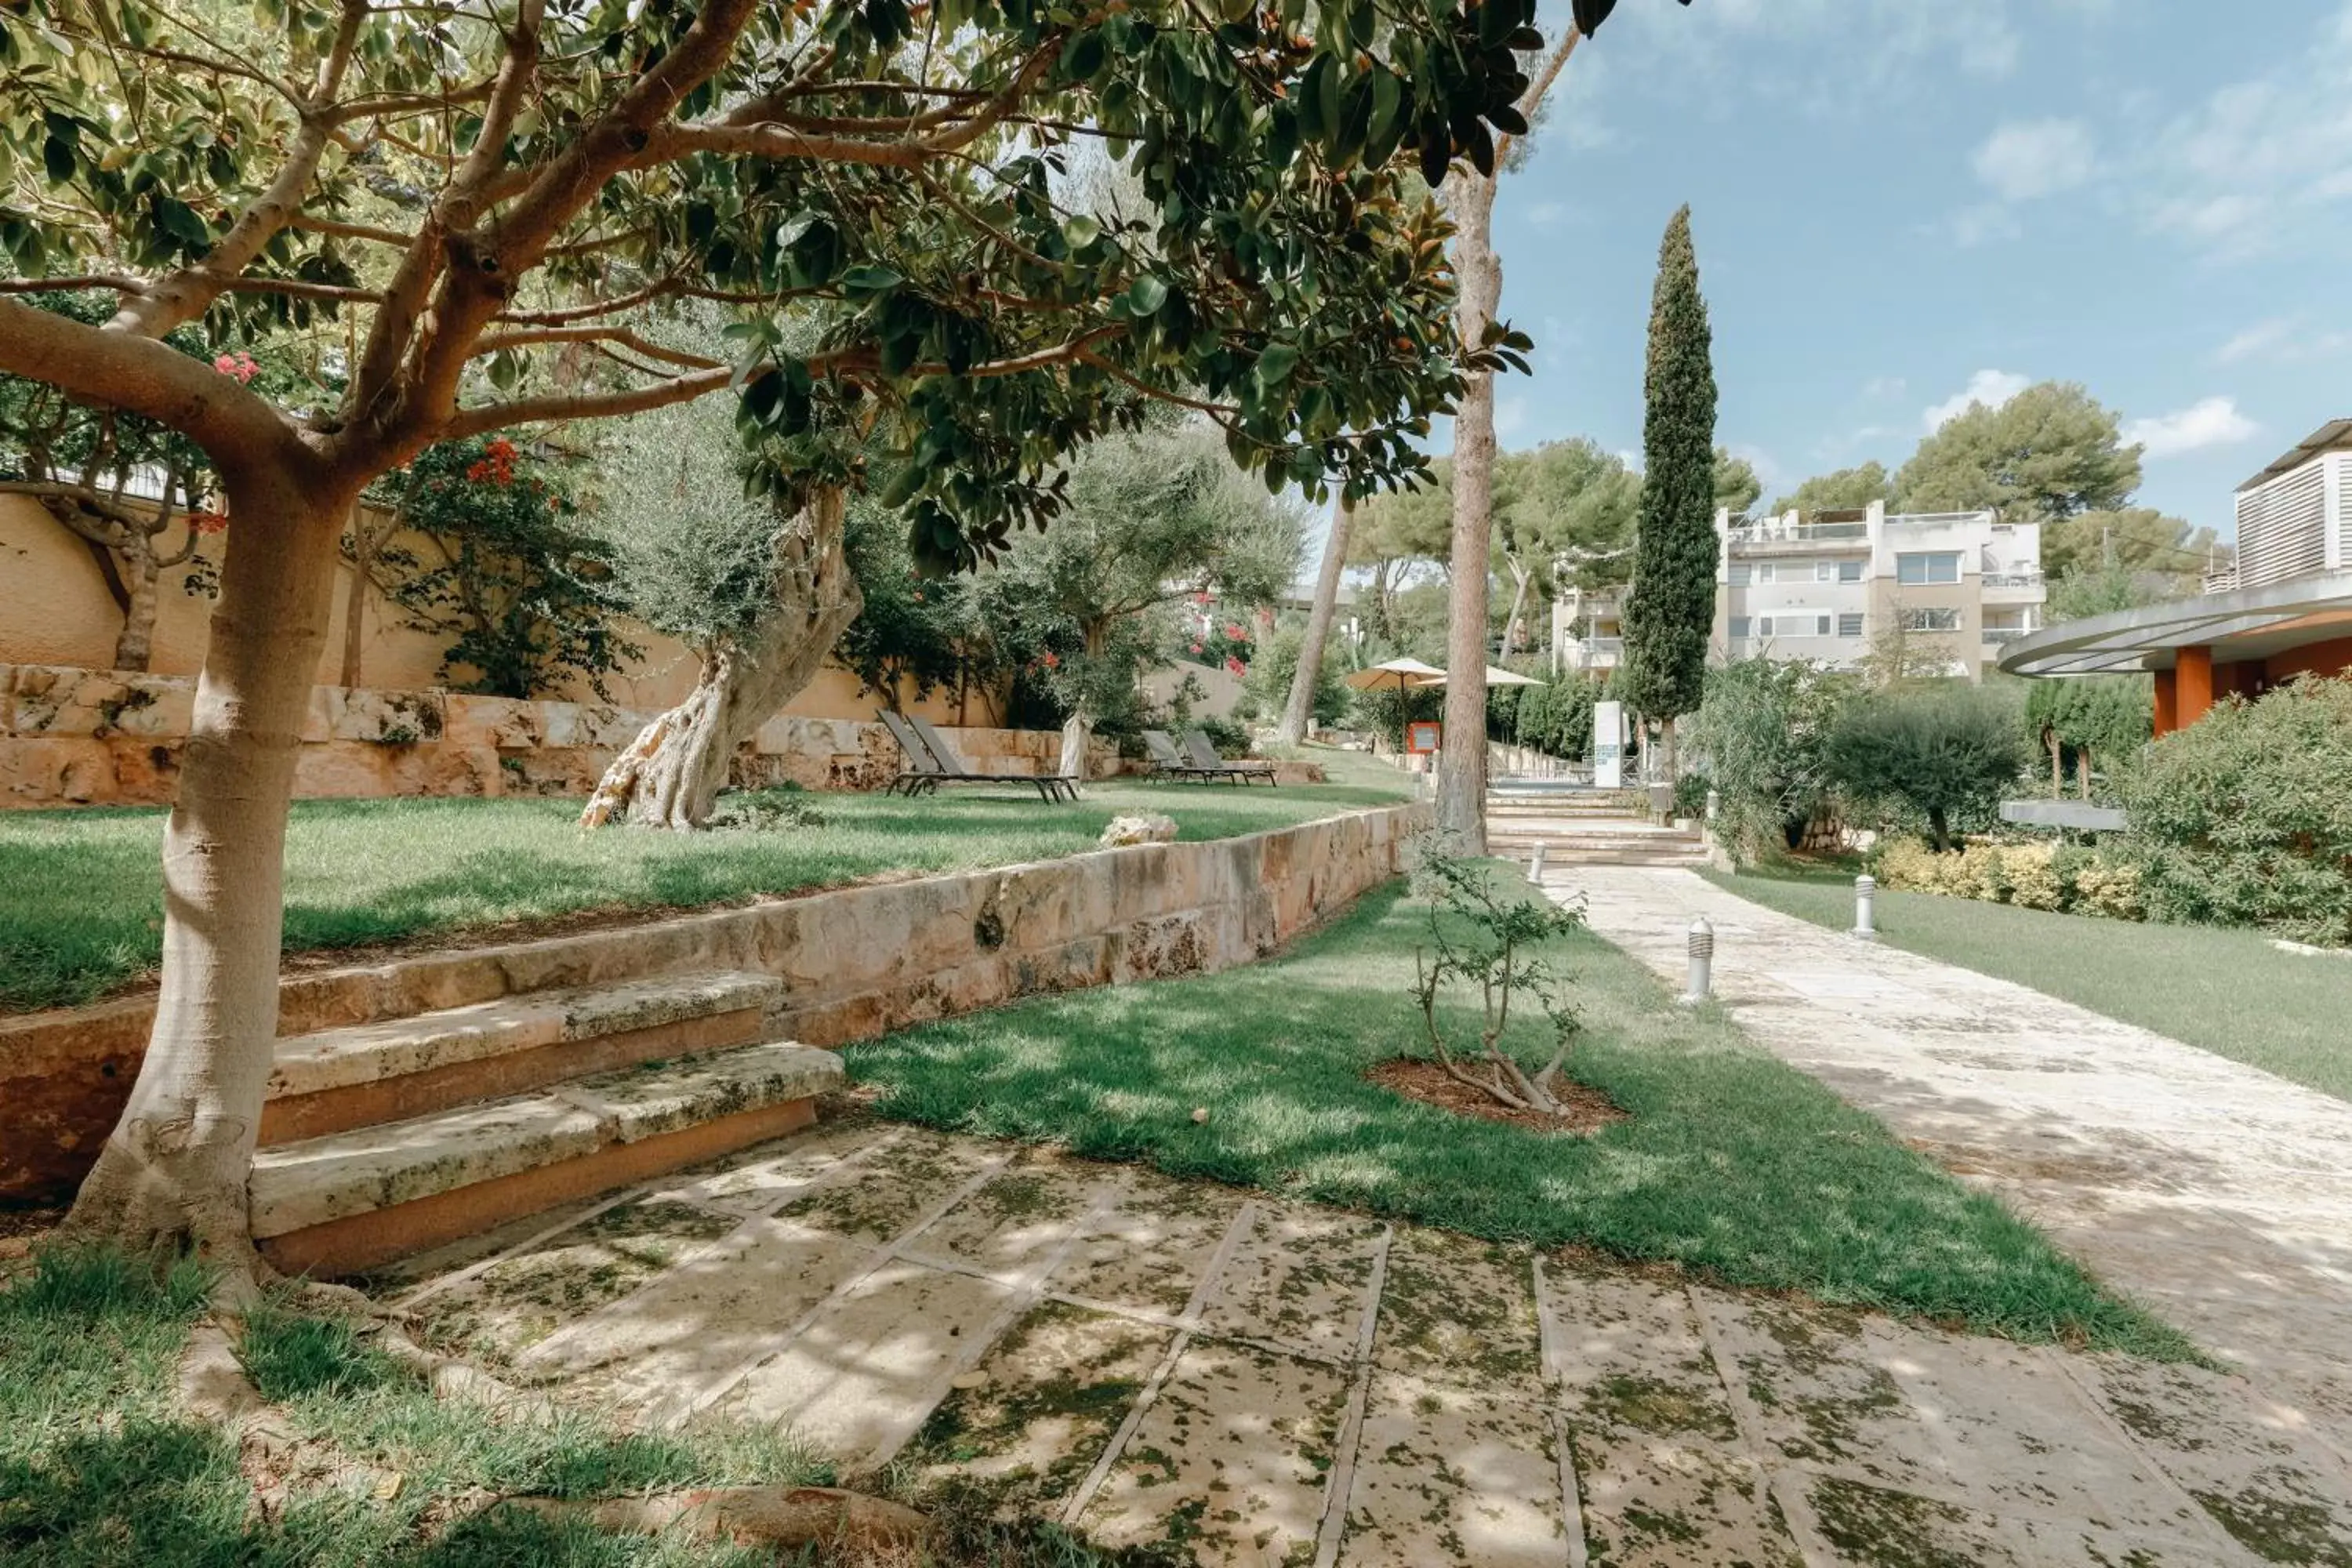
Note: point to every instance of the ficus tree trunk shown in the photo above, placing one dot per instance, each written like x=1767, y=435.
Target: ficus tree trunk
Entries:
x=671, y=774
x=1462, y=768
x=1299, y=713
x=174, y=1171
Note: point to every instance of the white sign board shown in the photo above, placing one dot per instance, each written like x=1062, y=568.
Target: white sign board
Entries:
x=1608, y=746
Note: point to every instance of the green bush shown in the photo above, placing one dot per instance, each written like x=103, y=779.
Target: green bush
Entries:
x=2030, y=876
x=2245, y=817
x=1943, y=751
x=1762, y=731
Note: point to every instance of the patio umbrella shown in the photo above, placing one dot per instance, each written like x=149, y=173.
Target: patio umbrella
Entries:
x=1396, y=675
x=1493, y=677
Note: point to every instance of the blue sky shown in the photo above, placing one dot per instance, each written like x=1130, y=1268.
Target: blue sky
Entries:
x=1897, y=201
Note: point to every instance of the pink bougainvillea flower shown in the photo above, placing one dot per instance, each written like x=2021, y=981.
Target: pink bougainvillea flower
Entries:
x=1236, y=632
x=239, y=366
x=1196, y=647
x=1053, y=661
x=1236, y=667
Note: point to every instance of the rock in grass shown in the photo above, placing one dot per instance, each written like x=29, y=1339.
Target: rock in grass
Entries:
x=1155, y=828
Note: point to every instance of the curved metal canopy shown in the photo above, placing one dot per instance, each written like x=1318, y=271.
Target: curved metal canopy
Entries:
x=2252, y=622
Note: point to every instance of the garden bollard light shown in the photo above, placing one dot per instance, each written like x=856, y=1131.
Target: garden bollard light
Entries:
x=1702, y=962
x=1535, y=867
x=1864, y=888
x=1714, y=804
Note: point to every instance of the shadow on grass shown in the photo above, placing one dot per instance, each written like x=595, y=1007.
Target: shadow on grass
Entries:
x=1733, y=1164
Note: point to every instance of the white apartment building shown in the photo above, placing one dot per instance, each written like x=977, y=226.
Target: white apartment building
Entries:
x=1830, y=587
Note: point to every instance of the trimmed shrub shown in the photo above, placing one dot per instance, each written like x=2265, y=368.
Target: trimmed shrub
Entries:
x=2245, y=817
x=2030, y=876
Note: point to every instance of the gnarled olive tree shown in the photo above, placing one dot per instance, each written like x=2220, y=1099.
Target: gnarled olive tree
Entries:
x=476, y=197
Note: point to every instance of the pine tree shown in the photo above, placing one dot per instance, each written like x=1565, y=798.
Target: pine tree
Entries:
x=1670, y=610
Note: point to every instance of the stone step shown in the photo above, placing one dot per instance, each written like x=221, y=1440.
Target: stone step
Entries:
x=352, y=1200
x=396, y=1068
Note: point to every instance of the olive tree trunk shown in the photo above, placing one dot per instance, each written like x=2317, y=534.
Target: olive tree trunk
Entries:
x=670, y=775
x=1462, y=768
x=1299, y=711
x=134, y=649
x=174, y=1171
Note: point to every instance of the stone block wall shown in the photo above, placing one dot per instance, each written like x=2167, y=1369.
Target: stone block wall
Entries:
x=857, y=961
x=91, y=737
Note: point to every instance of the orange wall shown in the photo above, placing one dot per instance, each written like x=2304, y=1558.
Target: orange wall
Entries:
x=55, y=610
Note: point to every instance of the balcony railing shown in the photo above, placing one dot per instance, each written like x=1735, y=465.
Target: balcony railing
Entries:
x=1799, y=534
x=2225, y=581
x=1996, y=636
x=2013, y=579
x=1602, y=645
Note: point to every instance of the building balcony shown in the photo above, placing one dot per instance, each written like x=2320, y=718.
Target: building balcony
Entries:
x=1775, y=538
x=2013, y=587
x=1998, y=637
x=1592, y=653
x=2225, y=581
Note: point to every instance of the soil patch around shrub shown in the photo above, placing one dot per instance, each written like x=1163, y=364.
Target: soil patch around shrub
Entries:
x=1589, y=1109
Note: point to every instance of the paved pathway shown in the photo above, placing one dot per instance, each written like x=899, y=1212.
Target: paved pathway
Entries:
x=1262, y=1382
x=2216, y=1193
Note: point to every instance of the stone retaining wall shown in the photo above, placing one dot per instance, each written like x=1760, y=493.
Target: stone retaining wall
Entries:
x=91, y=737
x=856, y=962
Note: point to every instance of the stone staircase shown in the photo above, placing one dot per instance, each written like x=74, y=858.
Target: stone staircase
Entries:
x=1584, y=826
x=386, y=1138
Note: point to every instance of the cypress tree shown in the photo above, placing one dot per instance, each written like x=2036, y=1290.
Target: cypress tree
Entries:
x=1670, y=609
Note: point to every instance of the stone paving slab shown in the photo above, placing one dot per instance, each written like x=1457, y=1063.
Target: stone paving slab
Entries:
x=1255, y=1381
x=2217, y=1194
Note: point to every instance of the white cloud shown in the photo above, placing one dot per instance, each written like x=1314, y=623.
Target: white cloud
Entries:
x=1878, y=388
x=2027, y=160
x=1991, y=387
x=1510, y=416
x=1768, y=473
x=2213, y=422
x=2258, y=342
x=1543, y=215
x=2261, y=163
x=2284, y=340
x=1986, y=223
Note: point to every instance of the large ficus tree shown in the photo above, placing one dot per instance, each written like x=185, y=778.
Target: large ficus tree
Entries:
x=480, y=199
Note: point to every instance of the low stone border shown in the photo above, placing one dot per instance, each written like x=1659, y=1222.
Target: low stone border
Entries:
x=855, y=963
x=113, y=737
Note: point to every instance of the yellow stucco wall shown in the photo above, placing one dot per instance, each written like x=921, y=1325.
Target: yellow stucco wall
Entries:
x=55, y=610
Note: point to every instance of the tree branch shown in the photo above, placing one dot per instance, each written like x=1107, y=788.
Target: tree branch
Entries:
x=627, y=336
x=108, y=368
x=183, y=296
x=1532, y=100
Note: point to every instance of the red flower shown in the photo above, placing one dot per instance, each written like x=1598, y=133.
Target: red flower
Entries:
x=208, y=522
x=1236, y=633
x=1196, y=647
x=239, y=364
x=1236, y=667
x=1051, y=661
x=497, y=463
x=1202, y=597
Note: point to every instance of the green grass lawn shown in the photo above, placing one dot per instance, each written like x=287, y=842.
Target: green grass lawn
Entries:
x=82, y=893
x=101, y=1468
x=1733, y=1164
x=2228, y=992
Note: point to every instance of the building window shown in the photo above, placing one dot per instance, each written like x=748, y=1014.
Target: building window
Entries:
x=1849, y=625
x=1925, y=568
x=1849, y=571
x=1931, y=620
x=1820, y=626
x=1742, y=575
x=1825, y=570
x=1764, y=627
x=1739, y=629
x=1764, y=573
